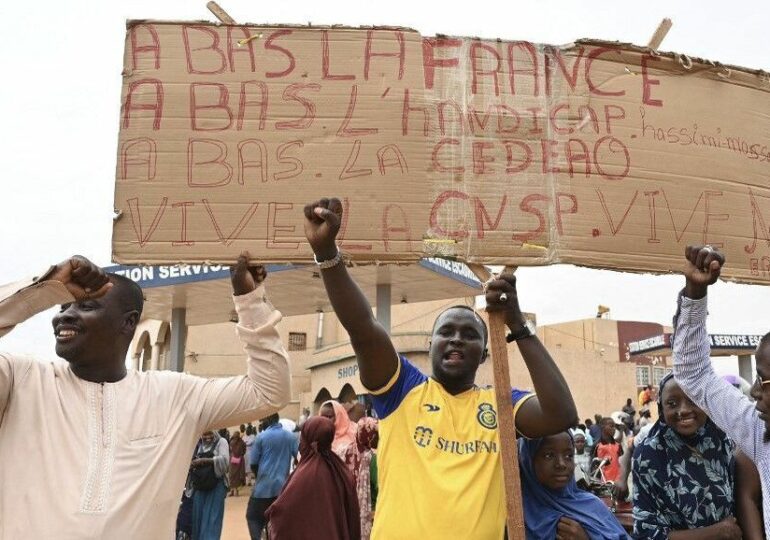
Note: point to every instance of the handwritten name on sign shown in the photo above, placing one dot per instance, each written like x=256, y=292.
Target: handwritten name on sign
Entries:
x=598, y=154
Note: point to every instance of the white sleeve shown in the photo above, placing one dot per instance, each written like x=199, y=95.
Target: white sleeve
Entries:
x=21, y=300
x=728, y=408
x=265, y=388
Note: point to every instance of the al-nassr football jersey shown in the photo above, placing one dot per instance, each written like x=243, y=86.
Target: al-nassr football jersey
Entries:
x=438, y=460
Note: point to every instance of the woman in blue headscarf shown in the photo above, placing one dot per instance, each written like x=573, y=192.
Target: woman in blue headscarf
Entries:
x=684, y=474
x=554, y=507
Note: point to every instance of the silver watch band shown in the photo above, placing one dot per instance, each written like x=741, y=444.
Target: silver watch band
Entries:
x=334, y=261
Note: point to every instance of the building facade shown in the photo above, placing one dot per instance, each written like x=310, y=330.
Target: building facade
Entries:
x=593, y=355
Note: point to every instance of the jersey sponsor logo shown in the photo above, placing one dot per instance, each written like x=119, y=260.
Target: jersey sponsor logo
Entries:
x=423, y=436
x=487, y=416
x=430, y=407
x=462, y=448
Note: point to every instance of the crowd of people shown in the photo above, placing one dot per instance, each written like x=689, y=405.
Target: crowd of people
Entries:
x=271, y=453
x=423, y=462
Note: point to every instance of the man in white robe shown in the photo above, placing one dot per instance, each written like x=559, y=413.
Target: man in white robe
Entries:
x=113, y=447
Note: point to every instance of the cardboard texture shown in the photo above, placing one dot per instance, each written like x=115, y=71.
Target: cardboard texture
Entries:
x=501, y=152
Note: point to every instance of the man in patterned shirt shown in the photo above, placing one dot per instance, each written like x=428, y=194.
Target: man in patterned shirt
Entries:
x=746, y=423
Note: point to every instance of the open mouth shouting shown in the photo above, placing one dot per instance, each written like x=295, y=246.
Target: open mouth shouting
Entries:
x=453, y=358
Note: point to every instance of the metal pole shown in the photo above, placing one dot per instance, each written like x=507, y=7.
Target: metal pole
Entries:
x=178, y=339
x=744, y=367
x=383, y=305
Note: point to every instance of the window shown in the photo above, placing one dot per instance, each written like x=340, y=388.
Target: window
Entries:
x=642, y=375
x=658, y=373
x=297, y=341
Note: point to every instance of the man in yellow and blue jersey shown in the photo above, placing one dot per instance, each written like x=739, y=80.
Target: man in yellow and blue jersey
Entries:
x=439, y=453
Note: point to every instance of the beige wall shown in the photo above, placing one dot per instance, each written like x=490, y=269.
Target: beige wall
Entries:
x=599, y=383
x=586, y=352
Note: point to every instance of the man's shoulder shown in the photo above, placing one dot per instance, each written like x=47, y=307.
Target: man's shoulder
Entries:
x=274, y=431
x=24, y=363
x=28, y=358
x=284, y=434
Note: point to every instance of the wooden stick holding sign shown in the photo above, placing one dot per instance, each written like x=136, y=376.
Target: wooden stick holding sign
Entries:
x=509, y=452
x=660, y=33
x=220, y=13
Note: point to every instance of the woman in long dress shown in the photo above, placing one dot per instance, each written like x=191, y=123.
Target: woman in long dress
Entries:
x=212, y=455
x=249, y=440
x=367, y=486
x=319, y=500
x=237, y=472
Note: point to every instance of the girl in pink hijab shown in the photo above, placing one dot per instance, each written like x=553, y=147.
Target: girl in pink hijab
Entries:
x=344, y=444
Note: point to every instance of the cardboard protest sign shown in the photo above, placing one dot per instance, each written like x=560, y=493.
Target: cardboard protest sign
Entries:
x=597, y=154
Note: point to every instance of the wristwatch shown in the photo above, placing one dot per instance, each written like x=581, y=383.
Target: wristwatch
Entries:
x=334, y=261
x=528, y=330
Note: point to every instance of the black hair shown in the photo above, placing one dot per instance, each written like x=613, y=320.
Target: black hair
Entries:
x=270, y=420
x=765, y=340
x=128, y=292
x=485, y=333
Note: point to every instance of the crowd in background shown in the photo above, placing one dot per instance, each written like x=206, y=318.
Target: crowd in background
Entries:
x=624, y=457
x=288, y=466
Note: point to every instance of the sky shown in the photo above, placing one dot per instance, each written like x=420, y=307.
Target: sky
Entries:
x=60, y=97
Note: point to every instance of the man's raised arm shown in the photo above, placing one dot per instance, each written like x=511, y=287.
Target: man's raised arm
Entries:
x=266, y=388
x=552, y=410
x=74, y=279
x=377, y=358
x=730, y=410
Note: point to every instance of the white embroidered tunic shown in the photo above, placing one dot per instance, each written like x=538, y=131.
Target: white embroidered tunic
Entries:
x=86, y=460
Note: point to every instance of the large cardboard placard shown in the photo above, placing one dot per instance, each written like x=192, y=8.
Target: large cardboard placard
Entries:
x=599, y=154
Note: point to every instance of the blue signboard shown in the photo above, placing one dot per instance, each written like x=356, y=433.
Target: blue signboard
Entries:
x=177, y=274
x=452, y=269
x=148, y=277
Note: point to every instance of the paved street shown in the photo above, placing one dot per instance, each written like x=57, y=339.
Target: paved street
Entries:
x=235, y=517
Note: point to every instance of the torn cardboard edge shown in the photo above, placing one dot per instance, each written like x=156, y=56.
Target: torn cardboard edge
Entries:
x=696, y=63
x=528, y=253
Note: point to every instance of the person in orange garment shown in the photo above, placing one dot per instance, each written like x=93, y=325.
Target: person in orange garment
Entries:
x=610, y=449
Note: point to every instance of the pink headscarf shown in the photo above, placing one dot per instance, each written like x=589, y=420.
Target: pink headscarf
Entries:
x=367, y=431
x=344, y=429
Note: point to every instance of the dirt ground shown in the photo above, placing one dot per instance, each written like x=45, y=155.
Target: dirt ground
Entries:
x=235, y=516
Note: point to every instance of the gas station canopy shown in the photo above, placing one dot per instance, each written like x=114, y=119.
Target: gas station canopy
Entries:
x=205, y=294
